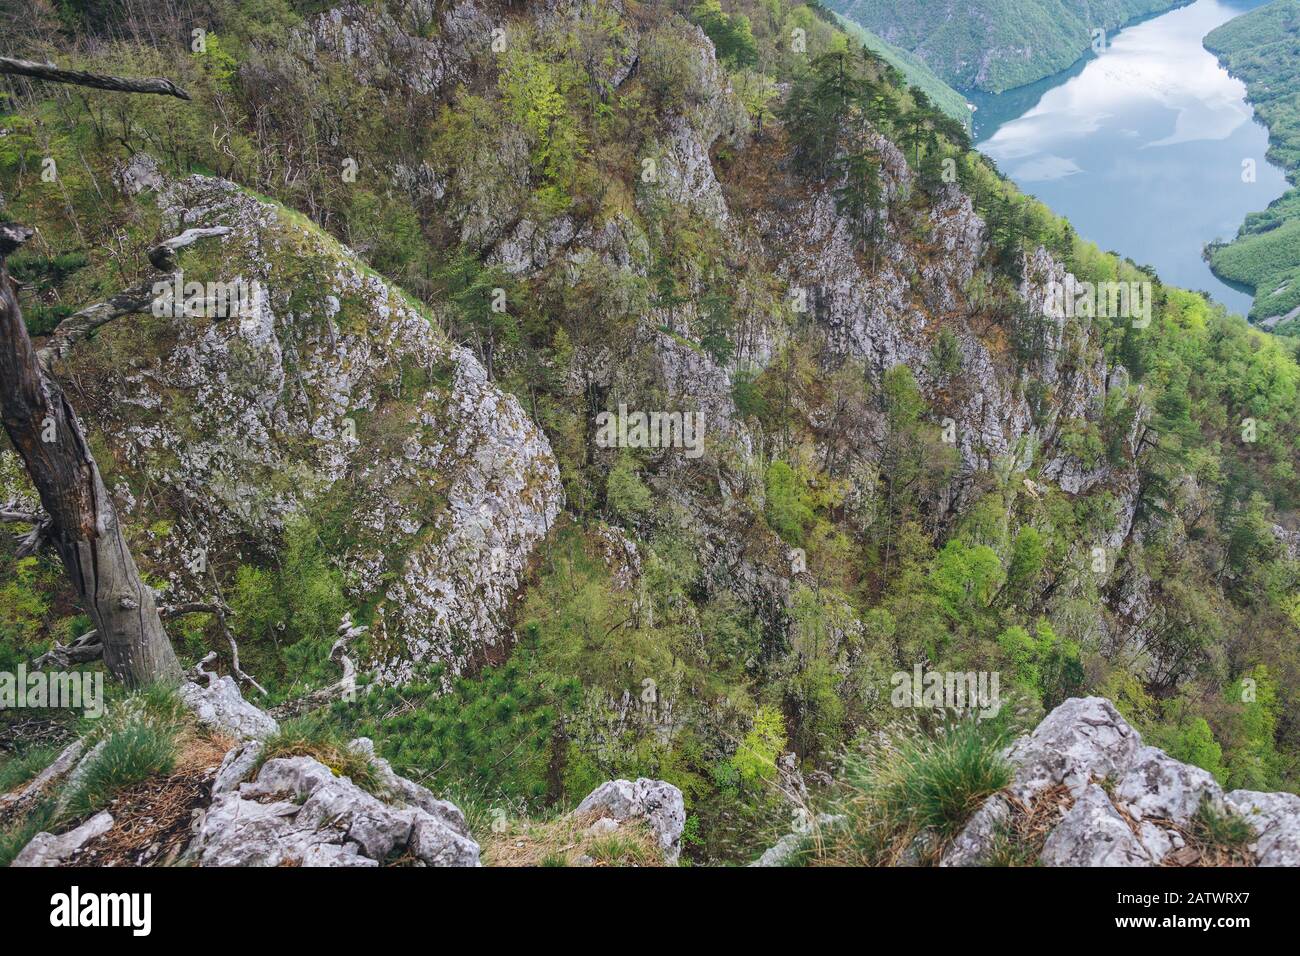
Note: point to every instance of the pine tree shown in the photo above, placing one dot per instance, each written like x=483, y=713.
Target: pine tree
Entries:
x=816, y=111
x=930, y=175
x=718, y=325
x=858, y=197
x=913, y=136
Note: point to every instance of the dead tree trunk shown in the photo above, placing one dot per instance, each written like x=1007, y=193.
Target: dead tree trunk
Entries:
x=117, y=84
x=83, y=527
x=43, y=428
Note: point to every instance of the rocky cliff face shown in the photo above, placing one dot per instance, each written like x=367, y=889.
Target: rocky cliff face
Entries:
x=330, y=392
x=881, y=310
x=887, y=309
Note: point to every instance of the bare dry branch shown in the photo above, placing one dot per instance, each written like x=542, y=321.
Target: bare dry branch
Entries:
x=199, y=672
x=343, y=689
x=12, y=513
x=99, y=81
x=218, y=611
x=163, y=255
x=36, y=537
x=133, y=301
x=78, y=326
x=83, y=650
x=63, y=763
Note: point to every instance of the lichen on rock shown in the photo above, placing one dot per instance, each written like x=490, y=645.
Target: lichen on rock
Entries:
x=329, y=392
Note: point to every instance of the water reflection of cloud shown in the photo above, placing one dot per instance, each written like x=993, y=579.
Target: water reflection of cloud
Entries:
x=1148, y=67
x=1045, y=169
x=1035, y=132
x=1084, y=147
x=1215, y=118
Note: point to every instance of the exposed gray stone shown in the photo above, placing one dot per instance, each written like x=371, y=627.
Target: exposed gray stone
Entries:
x=439, y=845
x=783, y=851
x=1157, y=786
x=1092, y=833
x=137, y=174
x=272, y=398
x=786, y=849
x=236, y=767
x=657, y=803
x=401, y=790
x=1276, y=819
x=1085, y=740
x=298, y=811
x=46, y=849
x=972, y=845
x=221, y=707
x=1082, y=739
x=1159, y=841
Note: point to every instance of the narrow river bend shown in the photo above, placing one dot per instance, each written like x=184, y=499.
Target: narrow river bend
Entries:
x=1142, y=147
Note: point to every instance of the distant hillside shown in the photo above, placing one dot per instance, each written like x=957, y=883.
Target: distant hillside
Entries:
x=913, y=69
x=1263, y=48
x=994, y=45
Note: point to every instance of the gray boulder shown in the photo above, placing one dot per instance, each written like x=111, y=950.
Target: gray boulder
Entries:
x=221, y=707
x=1157, y=786
x=1092, y=833
x=236, y=767
x=1151, y=796
x=1276, y=819
x=969, y=847
x=1082, y=739
x=298, y=811
x=658, y=803
x=137, y=174
x=401, y=790
x=46, y=849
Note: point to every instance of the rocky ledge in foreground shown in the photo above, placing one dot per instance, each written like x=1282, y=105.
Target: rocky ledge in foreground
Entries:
x=299, y=812
x=293, y=810
x=1120, y=802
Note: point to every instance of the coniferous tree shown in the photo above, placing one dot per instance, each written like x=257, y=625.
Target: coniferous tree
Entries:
x=718, y=323
x=858, y=197
x=816, y=111
x=930, y=176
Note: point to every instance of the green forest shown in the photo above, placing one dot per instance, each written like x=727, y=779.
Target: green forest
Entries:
x=995, y=45
x=1263, y=49
x=742, y=207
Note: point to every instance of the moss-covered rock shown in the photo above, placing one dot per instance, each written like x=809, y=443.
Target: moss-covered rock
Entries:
x=330, y=394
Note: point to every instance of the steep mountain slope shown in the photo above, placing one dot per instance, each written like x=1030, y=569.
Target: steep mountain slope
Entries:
x=914, y=70
x=908, y=455
x=995, y=45
x=1263, y=48
x=328, y=391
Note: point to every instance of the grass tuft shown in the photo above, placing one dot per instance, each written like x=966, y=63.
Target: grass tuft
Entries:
x=131, y=754
x=912, y=792
x=307, y=738
x=18, y=770
x=1215, y=838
